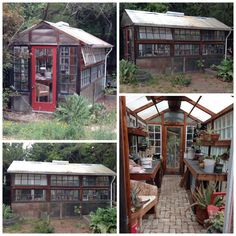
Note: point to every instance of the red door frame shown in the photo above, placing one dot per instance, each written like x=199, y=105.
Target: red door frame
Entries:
x=44, y=106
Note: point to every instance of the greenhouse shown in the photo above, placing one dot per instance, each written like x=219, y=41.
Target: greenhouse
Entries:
x=56, y=188
x=53, y=60
x=176, y=164
x=172, y=41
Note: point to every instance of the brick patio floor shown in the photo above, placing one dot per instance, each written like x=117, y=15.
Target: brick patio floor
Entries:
x=173, y=214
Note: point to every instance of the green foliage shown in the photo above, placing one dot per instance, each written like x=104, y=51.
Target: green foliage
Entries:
x=7, y=212
x=103, y=220
x=181, y=80
x=201, y=64
x=127, y=72
x=77, y=210
x=43, y=226
x=225, y=70
x=75, y=109
x=216, y=223
x=202, y=196
x=97, y=112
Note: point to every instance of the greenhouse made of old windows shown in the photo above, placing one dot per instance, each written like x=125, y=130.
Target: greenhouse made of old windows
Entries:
x=53, y=60
x=172, y=42
x=57, y=187
x=172, y=148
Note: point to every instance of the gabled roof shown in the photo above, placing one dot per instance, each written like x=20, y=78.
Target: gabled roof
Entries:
x=202, y=108
x=75, y=33
x=58, y=167
x=171, y=20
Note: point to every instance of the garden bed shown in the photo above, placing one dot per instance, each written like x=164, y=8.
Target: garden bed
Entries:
x=60, y=226
x=200, y=82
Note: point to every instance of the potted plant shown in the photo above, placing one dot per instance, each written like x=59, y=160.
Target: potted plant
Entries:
x=209, y=164
x=218, y=165
x=8, y=216
x=216, y=223
x=202, y=198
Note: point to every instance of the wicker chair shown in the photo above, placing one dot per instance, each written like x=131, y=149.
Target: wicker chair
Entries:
x=42, y=90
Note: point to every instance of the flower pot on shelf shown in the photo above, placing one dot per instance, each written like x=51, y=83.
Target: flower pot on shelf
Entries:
x=209, y=165
x=215, y=137
x=218, y=168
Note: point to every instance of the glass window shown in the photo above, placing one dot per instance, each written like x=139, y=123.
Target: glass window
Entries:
x=189, y=136
x=213, y=35
x=85, y=78
x=95, y=195
x=213, y=49
x=150, y=50
x=93, y=55
x=65, y=195
x=155, y=33
x=94, y=73
x=20, y=68
x=154, y=138
x=64, y=180
x=30, y=179
x=186, y=49
x=95, y=181
x=187, y=34
x=30, y=195
x=224, y=126
x=173, y=117
x=68, y=70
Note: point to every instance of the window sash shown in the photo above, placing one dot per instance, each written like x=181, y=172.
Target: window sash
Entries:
x=153, y=50
x=154, y=33
x=30, y=179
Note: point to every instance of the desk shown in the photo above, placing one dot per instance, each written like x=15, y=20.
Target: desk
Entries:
x=149, y=174
x=199, y=174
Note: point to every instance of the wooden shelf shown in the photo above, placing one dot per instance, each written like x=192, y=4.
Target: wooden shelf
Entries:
x=219, y=143
x=137, y=132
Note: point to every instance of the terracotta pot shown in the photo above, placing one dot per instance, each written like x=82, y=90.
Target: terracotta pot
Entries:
x=201, y=215
x=215, y=137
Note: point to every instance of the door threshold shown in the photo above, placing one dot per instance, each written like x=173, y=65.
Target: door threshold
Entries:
x=44, y=112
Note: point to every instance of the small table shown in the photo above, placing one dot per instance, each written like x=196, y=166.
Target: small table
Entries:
x=199, y=174
x=150, y=174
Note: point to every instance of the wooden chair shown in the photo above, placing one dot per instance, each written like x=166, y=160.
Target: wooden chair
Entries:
x=42, y=91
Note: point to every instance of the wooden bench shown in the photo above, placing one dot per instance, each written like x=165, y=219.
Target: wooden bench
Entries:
x=151, y=204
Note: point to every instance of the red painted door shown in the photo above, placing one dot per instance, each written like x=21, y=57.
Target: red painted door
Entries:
x=43, y=78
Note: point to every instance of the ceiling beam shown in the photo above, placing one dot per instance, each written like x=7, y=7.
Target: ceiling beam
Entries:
x=195, y=105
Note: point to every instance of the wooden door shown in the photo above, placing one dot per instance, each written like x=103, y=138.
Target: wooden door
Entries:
x=174, y=143
x=43, y=78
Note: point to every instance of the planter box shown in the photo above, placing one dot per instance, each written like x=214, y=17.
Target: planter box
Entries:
x=21, y=103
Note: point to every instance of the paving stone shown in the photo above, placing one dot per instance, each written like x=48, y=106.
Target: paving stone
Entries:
x=174, y=214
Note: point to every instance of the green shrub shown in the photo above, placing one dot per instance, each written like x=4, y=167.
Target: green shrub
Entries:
x=225, y=70
x=7, y=212
x=201, y=64
x=216, y=223
x=181, y=80
x=103, y=220
x=43, y=226
x=97, y=112
x=74, y=110
x=127, y=72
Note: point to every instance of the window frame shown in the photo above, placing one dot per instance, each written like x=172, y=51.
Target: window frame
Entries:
x=32, y=195
x=27, y=180
x=21, y=64
x=187, y=47
x=154, y=139
x=154, y=48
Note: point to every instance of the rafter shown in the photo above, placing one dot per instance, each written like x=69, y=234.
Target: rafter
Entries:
x=195, y=105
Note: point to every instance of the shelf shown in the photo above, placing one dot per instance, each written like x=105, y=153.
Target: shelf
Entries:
x=137, y=132
x=219, y=143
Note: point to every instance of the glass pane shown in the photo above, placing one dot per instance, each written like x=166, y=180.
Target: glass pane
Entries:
x=44, y=70
x=173, y=147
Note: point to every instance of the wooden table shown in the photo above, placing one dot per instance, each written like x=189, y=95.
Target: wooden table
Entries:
x=199, y=174
x=150, y=174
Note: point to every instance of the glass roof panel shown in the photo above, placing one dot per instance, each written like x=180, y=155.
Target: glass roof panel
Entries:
x=201, y=115
x=135, y=101
x=185, y=106
x=162, y=106
x=148, y=112
x=216, y=103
